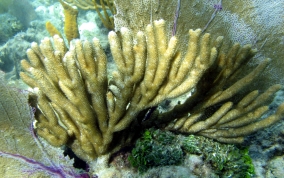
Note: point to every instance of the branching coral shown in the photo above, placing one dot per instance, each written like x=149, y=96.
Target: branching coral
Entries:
x=80, y=108
x=105, y=5
x=70, y=23
x=217, y=108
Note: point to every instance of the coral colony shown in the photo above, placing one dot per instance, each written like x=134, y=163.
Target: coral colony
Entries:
x=82, y=102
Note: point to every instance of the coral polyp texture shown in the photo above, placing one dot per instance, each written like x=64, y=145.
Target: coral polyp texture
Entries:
x=95, y=114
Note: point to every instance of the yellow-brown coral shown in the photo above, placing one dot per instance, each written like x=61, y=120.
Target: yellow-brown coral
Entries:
x=52, y=30
x=79, y=107
x=105, y=5
x=70, y=23
x=143, y=79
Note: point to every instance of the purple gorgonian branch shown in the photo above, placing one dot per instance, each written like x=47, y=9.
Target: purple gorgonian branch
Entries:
x=217, y=8
x=176, y=19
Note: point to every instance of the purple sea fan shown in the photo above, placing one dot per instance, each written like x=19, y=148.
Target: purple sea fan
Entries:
x=36, y=167
x=22, y=153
